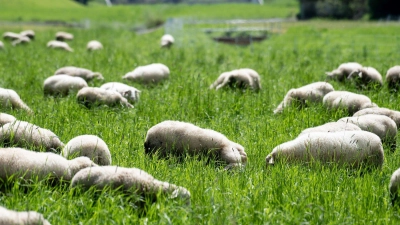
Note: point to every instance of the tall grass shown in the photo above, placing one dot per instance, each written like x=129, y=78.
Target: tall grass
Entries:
x=283, y=194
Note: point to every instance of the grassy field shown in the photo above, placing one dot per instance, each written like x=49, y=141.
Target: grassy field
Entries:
x=283, y=194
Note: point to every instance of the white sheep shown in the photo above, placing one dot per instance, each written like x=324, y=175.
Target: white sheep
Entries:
x=148, y=74
x=365, y=76
x=131, y=180
x=19, y=162
x=180, y=138
x=24, y=134
x=64, y=36
x=84, y=73
x=97, y=96
x=380, y=125
x=167, y=40
x=11, y=36
x=130, y=93
x=350, y=101
x=344, y=148
x=331, y=127
x=240, y=78
x=11, y=217
x=394, y=187
x=62, y=85
x=343, y=71
x=28, y=33
x=10, y=99
x=90, y=146
x=313, y=92
x=21, y=40
x=59, y=45
x=6, y=118
x=393, y=78
x=94, y=45
x=392, y=114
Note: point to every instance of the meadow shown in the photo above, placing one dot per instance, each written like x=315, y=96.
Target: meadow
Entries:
x=283, y=194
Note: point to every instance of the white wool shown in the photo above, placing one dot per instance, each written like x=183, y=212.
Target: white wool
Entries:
x=365, y=76
x=393, y=77
x=94, y=45
x=331, y=127
x=11, y=36
x=152, y=73
x=64, y=36
x=350, y=101
x=240, y=78
x=10, y=99
x=167, y=40
x=21, y=40
x=59, y=45
x=97, y=96
x=6, y=118
x=313, y=92
x=343, y=71
x=394, y=186
x=393, y=114
x=62, y=85
x=83, y=73
x=11, y=217
x=179, y=138
x=130, y=93
x=28, y=33
x=90, y=146
x=343, y=148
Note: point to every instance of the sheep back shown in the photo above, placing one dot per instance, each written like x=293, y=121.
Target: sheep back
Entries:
x=62, y=85
x=11, y=217
x=90, y=146
x=94, y=96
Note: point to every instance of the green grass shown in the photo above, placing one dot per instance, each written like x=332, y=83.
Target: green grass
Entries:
x=283, y=194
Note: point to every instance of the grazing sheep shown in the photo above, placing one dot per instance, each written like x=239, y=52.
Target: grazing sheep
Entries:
x=130, y=93
x=11, y=36
x=59, y=45
x=178, y=138
x=392, y=114
x=350, y=101
x=64, y=36
x=365, y=76
x=313, y=92
x=393, y=78
x=62, y=85
x=74, y=71
x=129, y=180
x=94, y=45
x=394, y=187
x=241, y=78
x=6, y=118
x=28, y=33
x=28, y=164
x=90, y=146
x=343, y=71
x=167, y=40
x=380, y=125
x=24, y=134
x=332, y=127
x=148, y=74
x=97, y=96
x=344, y=148
x=11, y=217
x=21, y=40
x=10, y=99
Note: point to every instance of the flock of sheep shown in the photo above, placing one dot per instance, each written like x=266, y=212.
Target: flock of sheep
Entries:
x=85, y=160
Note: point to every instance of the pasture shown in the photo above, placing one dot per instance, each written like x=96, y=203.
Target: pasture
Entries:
x=282, y=194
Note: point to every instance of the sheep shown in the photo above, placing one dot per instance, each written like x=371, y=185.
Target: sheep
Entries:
x=21, y=40
x=84, y=73
x=28, y=33
x=11, y=217
x=240, y=78
x=94, y=45
x=167, y=40
x=392, y=114
x=380, y=125
x=354, y=149
x=177, y=138
x=393, y=78
x=90, y=146
x=11, y=36
x=19, y=162
x=130, y=93
x=331, y=127
x=365, y=76
x=6, y=118
x=10, y=99
x=89, y=96
x=350, y=101
x=64, y=36
x=148, y=74
x=313, y=92
x=129, y=180
x=59, y=45
x=394, y=187
x=62, y=85
x=343, y=71
x=24, y=134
